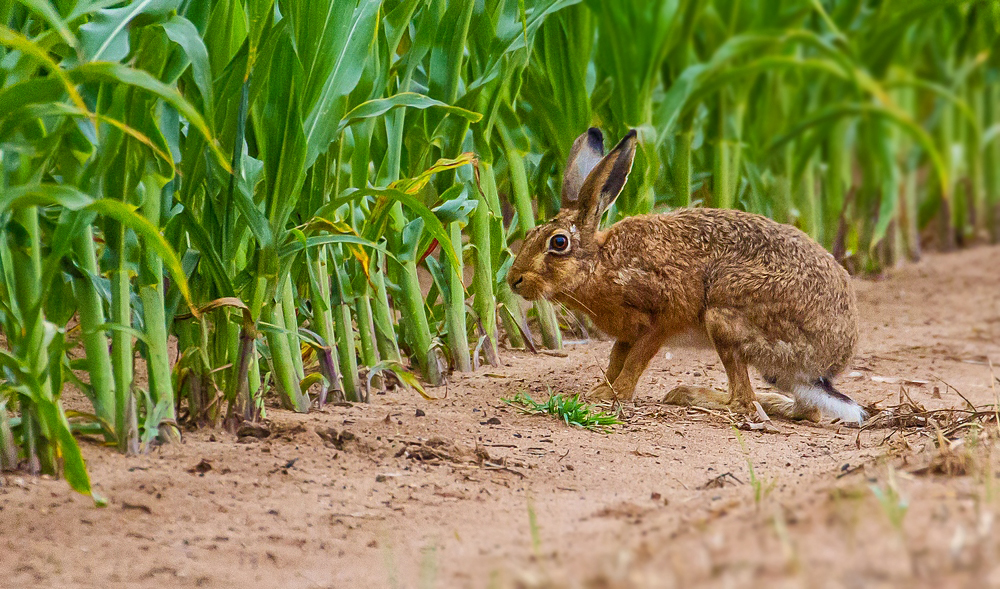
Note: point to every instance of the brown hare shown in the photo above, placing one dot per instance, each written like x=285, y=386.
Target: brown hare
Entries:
x=762, y=293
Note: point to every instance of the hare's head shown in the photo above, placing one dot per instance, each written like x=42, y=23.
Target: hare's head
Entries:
x=558, y=256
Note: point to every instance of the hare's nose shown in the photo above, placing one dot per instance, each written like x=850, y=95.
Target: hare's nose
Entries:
x=514, y=284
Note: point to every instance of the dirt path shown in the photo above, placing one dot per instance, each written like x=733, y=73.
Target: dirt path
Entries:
x=378, y=496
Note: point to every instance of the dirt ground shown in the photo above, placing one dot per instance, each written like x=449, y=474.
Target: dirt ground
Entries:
x=467, y=492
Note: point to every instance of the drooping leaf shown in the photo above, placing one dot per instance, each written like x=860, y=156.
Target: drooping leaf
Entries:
x=120, y=74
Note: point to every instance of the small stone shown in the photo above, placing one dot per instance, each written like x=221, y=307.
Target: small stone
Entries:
x=252, y=429
x=420, y=413
x=201, y=468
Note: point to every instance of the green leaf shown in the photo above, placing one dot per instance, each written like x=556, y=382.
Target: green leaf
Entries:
x=18, y=41
x=254, y=218
x=106, y=36
x=281, y=141
x=405, y=376
x=445, y=64
x=700, y=79
x=397, y=21
x=457, y=206
x=514, y=39
x=74, y=468
x=431, y=223
x=296, y=246
x=109, y=326
x=56, y=427
x=30, y=195
x=380, y=106
x=32, y=91
x=181, y=31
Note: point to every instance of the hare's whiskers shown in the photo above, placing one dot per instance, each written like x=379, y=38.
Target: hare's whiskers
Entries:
x=579, y=302
x=583, y=328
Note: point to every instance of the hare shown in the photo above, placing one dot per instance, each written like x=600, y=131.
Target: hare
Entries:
x=763, y=294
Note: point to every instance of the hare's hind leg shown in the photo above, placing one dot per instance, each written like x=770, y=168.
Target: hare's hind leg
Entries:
x=740, y=397
x=729, y=331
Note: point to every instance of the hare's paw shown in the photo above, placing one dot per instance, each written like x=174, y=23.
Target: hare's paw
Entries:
x=699, y=396
x=708, y=399
x=602, y=392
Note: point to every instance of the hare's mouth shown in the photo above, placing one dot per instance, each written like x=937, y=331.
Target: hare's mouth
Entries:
x=528, y=288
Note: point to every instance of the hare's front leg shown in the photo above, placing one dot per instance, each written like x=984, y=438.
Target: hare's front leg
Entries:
x=602, y=390
x=619, y=352
x=628, y=362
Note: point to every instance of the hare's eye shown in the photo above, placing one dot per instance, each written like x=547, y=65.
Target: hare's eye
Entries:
x=558, y=243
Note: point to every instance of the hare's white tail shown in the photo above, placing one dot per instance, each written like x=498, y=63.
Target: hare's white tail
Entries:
x=821, y=395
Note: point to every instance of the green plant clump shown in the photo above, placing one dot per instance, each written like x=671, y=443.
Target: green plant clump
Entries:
x=571, y=410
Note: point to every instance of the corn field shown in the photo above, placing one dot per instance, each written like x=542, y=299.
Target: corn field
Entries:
x=206, y=201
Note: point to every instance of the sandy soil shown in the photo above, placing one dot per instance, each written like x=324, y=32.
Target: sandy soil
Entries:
x=467, y=492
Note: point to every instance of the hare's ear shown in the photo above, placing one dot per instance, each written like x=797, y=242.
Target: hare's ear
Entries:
x=587, y=151
x=605, y=182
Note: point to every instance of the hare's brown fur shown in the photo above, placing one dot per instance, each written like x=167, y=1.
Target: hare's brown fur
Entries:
x=762, y=293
